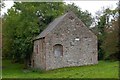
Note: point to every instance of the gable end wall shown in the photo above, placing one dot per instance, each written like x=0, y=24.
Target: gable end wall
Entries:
x=76, y=52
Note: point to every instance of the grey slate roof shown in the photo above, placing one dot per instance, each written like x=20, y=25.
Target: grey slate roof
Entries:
x=50, y=27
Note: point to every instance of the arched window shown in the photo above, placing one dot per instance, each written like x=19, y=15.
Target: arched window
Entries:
x=58, y=50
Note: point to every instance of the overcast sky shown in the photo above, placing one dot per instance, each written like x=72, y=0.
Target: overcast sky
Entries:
x=91, y=6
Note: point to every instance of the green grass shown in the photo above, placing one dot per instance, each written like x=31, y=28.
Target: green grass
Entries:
x=105, y=69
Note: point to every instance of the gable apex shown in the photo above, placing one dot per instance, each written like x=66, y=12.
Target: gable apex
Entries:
x=52, y=25
x=55, y=22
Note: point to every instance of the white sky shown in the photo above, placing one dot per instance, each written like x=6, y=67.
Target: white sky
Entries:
x=94, y=6
x=8, y=5
x=91, y=6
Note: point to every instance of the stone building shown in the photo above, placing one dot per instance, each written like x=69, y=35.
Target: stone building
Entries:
x=65, y=42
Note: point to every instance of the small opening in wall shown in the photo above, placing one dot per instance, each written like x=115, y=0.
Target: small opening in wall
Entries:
x=71, y=17
x=37, y=49
x=58, y=50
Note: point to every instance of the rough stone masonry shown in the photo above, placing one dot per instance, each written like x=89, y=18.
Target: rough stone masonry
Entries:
x=65, y=42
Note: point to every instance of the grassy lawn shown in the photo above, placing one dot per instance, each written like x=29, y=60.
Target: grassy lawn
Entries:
x=105, y=69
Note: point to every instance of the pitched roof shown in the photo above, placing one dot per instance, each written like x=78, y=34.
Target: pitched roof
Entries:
x=50, y=27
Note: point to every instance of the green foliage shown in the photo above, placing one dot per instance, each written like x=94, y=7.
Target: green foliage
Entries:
x=104, y=69
x=111, y=42
x=21, y=25
x=101, y=33
x=108, y=34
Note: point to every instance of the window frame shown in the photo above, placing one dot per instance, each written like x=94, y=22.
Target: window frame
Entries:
x=60, y=47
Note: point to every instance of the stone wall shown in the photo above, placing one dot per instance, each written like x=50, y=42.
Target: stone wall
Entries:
x=38, y=57
x=79, y=44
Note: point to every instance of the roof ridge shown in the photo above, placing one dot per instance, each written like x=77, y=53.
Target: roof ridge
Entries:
x=50, y=26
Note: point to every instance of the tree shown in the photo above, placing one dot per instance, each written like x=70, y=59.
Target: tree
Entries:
x=101, y=23
x=1, y=6
x=106, y=21
x=111, y=42
x=24, y=21
x=21, y=25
